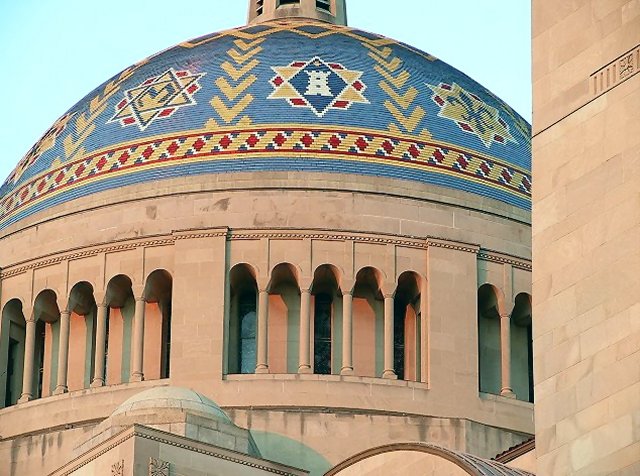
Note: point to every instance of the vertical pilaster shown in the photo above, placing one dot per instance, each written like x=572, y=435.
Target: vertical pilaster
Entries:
x=262, y=366
x=101, y=337
x=305, y=332
x=389, y=371
x=29, y=358
x=137, y=374
x=63, y=353
x=505, y=353
x=347, y=332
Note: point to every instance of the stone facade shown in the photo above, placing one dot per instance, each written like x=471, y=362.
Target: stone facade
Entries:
x=355, y=282
x=586, y=230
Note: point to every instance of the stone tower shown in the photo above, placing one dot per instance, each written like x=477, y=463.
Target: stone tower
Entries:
x=330, y=11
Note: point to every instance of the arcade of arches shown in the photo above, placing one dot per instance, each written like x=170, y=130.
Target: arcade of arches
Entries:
x=280, y=325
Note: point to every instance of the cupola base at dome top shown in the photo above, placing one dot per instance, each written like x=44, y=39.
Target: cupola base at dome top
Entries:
x=330, y=11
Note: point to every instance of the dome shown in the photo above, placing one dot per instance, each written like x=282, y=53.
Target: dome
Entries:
x=342, y=101
x=184, y=399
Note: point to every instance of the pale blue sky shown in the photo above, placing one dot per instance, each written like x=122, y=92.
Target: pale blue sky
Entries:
x=53, y=52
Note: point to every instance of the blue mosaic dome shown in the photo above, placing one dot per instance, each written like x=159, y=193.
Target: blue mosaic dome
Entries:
x=279, y=96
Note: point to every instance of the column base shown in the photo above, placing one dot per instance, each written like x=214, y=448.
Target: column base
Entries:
x=346, y=371
x=305, y=369
x=507, y=392
x=389, y=374
x=25, y=397
x=136, y=377
x=98, y=382
x=262, y=369
x=60, y=389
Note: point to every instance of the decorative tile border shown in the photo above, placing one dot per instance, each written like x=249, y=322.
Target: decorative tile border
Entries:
x=238, y=147
x=616, y=72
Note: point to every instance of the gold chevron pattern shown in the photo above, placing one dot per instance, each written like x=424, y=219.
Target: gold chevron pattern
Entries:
x=85, y=123
x=249, y=34
x=234, y=99
x=401, y=98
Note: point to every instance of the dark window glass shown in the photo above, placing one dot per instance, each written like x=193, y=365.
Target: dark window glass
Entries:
x=400, y=310
x=247, y=348
x=324, y=5
x=288, y=2
x=322, y=334
x=12, y=362
x=530, y=360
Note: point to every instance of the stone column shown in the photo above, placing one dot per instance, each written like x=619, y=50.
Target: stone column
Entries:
x=262, y=364
x=505, y=353
x=305, y=332
x=101, y=337
x=29, y=358
x=389, y=371
x=137, y=374
x=63, y=353
x=347, y=333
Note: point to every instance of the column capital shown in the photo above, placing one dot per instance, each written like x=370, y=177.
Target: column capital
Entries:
x=505, y=316
x=388, y=295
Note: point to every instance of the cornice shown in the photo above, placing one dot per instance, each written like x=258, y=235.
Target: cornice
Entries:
x=495, y=257
x=243, y=234
x=159, y=436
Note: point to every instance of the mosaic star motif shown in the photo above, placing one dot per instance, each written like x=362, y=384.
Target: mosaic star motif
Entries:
x=471, y=113
x=318, y=86
x=156, y=98
x=46, y=142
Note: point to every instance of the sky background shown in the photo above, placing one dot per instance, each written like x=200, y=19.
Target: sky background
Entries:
x=54, y=52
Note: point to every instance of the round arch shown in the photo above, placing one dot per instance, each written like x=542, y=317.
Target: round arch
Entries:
x=442, y=461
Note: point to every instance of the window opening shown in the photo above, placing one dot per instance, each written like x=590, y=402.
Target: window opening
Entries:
x=247, y=350
x=322, y=334
x=324, y=5
x=399, y=338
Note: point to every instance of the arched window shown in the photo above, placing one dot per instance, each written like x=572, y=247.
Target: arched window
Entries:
x=247, y=347
x=406, y=328
x=489, y=353
x=522, y=349
x=322, y=334
x=121, y=307
x=157, y=327
x=82, y=336
x=12, y=340
x=284, y=320
x=368, y=324
x=326, y=318
x=45, y=357
x=241, y=347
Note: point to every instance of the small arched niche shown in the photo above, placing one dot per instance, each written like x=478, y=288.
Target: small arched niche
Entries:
x=12, y=340
x=158, y=294
x=368, y=323
x=120, y=304
x=284, y=319
x=326, y=320
x=522, y=348
x=406, y=345
x=241, y=351
x=489, y=353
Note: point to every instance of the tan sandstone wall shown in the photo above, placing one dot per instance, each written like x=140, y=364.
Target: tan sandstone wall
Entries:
x=586, y=236
x=198, y=236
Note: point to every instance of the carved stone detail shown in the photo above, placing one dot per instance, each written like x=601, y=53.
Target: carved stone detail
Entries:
x=616, y=72
x=158, y=467
x=117, y=469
